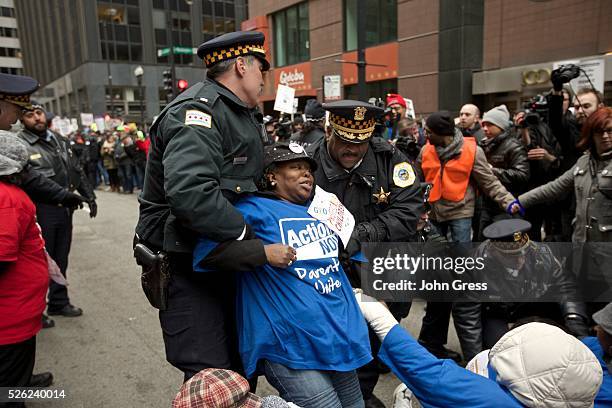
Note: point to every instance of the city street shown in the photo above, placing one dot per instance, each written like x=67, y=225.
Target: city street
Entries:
x=113, y=355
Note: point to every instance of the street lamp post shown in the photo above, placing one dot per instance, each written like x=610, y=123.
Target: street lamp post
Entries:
x=109, y=13
x=138, y=73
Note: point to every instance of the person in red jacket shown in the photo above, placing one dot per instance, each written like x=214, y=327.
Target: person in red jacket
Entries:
x=24, y=274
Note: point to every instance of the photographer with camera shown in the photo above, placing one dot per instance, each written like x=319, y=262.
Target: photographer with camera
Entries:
x=544, y=155
x=566, y=126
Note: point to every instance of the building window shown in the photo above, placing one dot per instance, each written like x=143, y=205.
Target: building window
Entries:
x=179, y=15
x=8, y=32
x=7, y=12
x=120, y=35
x=381, y=23
x=218, y=17
x=12, y=71
x=9, y=52
x=291, y=36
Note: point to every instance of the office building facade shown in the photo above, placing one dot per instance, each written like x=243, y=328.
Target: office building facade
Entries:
x=439, y=53
x=10, y=48
x=85, y=52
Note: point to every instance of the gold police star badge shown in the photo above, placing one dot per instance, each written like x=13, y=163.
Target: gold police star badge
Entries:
x=381, y=197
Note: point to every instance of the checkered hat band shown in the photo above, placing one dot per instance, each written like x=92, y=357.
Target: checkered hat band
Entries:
x=350, y=125
x=21, y=100
x=232, y=52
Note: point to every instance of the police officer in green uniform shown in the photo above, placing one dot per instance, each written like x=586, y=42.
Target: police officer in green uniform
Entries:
x=376, y=184
x=206, y=150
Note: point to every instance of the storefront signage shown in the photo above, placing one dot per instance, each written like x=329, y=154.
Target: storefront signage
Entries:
x=296, y=76
x=536, y=76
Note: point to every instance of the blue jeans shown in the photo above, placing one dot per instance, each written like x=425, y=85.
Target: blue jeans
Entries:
x=126, y=175
x=315, y=388
x=460, y=229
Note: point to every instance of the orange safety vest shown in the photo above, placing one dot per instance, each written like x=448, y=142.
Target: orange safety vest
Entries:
x=451, y=181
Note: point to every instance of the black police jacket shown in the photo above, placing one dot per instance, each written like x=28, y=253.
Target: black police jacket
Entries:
x=306, y=138
x=206, y=150
x=55, y=159
x=383, y=191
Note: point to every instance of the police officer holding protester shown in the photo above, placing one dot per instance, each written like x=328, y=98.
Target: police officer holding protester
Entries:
x=376, y=184
x=206, y=150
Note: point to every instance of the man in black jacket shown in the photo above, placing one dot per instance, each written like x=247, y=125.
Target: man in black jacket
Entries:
x=508, y=159
x=52, y=155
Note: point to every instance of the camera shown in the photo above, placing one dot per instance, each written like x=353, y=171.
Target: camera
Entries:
x=563, y=75
x=536, y=110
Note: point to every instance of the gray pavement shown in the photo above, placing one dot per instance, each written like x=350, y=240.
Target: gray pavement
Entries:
x=113, y=355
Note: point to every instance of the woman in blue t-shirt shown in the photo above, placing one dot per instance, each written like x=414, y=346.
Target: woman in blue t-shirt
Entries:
x=297, y=318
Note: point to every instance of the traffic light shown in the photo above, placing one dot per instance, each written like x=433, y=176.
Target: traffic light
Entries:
x=167, y=74
x=181, y=85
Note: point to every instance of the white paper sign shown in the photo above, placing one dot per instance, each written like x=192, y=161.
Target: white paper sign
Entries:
x=326, y=208
x=100, y=124
x=332, y=87
x=87, y=119
x=594, y=67
x=284, y=99
x=410, y=108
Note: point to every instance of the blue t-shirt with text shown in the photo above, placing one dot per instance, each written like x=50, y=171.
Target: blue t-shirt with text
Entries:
x=304, y=316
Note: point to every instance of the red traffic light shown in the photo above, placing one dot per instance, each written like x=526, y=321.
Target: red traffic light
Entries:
x=182, y=85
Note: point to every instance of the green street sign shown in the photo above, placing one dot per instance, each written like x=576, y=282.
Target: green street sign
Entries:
x=184, y=50
x=162, y=52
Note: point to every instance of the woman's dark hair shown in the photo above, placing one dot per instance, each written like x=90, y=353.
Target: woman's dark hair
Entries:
x=595, y=123
x=264, y=182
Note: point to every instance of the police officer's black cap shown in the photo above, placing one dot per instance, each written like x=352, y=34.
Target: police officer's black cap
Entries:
x=510, y=230
x=353, y=121
x=232, y=45
x=16, y=89
x=314, y=110
x=284, y=152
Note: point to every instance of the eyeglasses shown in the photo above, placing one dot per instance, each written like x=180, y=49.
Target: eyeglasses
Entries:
x=605, y=132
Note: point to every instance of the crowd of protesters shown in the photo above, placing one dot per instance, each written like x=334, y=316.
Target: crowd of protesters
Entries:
x=116, y=158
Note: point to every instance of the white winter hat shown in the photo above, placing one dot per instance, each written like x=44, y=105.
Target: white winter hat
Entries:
x=499, y=116
x=542, y=366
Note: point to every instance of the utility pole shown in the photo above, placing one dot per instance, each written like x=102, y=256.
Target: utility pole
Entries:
x=361, y=45
x=169, y=36
x=109, y=14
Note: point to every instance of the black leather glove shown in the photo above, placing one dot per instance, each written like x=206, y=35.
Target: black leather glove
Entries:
x=73, y=200
x=576, y=325
x=93, y=208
